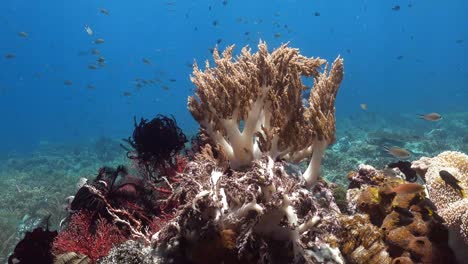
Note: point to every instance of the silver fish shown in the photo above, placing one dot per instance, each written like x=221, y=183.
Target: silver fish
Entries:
x=397, y=152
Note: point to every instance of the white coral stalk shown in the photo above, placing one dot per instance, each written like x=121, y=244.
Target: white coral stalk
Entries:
x=312, y=172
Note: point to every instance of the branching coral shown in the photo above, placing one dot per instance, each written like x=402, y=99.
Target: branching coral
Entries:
x=253, y=106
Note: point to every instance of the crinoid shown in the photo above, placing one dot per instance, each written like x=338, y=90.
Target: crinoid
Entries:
x=155, y=144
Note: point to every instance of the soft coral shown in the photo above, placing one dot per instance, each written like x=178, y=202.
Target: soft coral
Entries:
x=80, y=237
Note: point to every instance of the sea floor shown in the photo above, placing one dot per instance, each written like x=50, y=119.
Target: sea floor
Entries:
x=35, y=185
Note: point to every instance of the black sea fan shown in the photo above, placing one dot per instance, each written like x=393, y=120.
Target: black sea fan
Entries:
x=156, y=143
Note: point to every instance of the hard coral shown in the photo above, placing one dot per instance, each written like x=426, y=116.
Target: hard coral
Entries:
x=452, y=205
x=252, y=106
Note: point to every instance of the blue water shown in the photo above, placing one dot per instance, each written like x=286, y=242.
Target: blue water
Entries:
x=409, y=61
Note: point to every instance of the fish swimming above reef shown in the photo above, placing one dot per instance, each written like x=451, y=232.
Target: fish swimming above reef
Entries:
x=88, y=30
x=146, y=61
x=23, y=34
x=363, y=106
x=408, y=188
x=10, y=56
x=452, y=182
x=431, y=117
x=104, y=11
x=98, y=41
x=397, y=152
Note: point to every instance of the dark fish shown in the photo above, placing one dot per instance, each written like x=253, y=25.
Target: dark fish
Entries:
x=146, y=61
x=403, y=211
x=95, y=52
x=348, y=50
x=410, y=5
x=99, y=41
x=396, y=8
x=10, y=56
x=277, y=35
x=399, y=57
x=218, y=41
x=172, y=80
x=127, y=94
x=247, y=33
x=408, y=188
x=104, y=11
x=431, y=117
x=317, y=14
x=215, y=23
x=405, y=167
x=68, y=82
x=91, y=87
x=452, y=181
x=225, y=2
x=459, y=41
x=209, y=8
x=211, y=50
x=165, y=88
x=92, y=66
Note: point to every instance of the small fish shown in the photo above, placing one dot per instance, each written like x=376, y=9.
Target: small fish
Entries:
x=88, y=30
x=218, y=41
x=127, y=94
x=165, y=88
x=399, y=57
x=215, y=23
x=10, y=56
x=277, y=35
x=101, y=60
x=23, y=34
x=18, y=189
x=431, y=117
x=247, y=33
x=225, y=2
x=211, y=50
x=397, y=152
x=348, y=50
x=403, y=211
x=104, y=11
x=396, y=8
x=317, y=14
x=95, y=52
x=68, y=82
x=98, y=41
x=172, y=80
x=459, y=41
x=92, y=67
x=363, y=106
x=408, y=188
x=146, y=61
x=452, y=182
x=91, y=87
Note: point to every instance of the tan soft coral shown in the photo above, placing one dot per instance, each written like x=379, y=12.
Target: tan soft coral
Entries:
x=252, y=105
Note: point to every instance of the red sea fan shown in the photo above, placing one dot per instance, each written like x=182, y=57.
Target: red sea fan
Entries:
x=79, y=238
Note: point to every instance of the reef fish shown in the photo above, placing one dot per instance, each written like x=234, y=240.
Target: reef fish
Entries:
x=397, y=152
x=364, y=106
x=104, y=11
x=99, y=41
x=88, y=30
x=452, y=181
x=431, y=117
x=408, y=188
x=23, y=34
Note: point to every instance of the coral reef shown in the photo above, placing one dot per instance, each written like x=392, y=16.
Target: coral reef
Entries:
x=247, y=216
x=407, y=220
